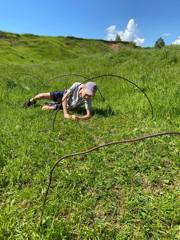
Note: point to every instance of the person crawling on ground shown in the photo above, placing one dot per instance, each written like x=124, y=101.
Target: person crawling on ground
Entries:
x=77, y=95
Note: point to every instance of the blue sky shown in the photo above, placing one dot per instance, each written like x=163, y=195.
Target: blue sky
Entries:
x=137, y=20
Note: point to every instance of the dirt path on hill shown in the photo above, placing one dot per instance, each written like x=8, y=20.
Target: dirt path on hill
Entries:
x=114, y=47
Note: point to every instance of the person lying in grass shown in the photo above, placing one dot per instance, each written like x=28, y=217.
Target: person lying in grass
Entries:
x=71, y=98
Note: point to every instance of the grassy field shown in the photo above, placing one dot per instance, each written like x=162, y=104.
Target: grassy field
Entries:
x=120, y=192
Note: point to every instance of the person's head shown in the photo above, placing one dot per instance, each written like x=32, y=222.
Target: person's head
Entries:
x=88, y=90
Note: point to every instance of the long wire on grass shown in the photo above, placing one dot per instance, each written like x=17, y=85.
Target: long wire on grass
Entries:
x=93, y=78
x=54, y=118
x=90, y=79
x=92, y=150
x=97, y=77
x=127, y=80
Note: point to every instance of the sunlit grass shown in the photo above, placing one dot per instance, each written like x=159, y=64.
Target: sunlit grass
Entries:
x=120, y=192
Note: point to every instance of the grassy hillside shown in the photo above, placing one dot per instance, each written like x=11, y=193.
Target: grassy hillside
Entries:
x=31, y=48
x=119, y=192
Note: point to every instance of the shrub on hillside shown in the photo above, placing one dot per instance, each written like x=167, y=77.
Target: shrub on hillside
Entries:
x=132, y=44
x=159, y=43
x=118, y=38
x=30, y=35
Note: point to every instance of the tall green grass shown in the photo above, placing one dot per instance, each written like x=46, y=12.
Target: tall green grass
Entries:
x=120, y=192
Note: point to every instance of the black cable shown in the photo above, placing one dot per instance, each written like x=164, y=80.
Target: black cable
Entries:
x=100, y=76
x=77, y=75
x=125, y=79
x=126, y=141
x=54, y=119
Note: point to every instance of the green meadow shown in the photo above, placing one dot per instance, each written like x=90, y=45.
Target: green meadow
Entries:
x=127, y=191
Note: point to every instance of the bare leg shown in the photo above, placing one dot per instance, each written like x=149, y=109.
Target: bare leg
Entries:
x=41, y=96
x=47, y=107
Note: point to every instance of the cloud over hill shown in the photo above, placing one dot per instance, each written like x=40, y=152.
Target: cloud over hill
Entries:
x=177, y=41
x=130, y=33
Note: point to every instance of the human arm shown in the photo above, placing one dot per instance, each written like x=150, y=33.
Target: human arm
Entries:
x=65, y=99
x=87, y=116
x=64, y=104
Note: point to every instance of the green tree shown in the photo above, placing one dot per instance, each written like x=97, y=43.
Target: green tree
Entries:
x=159, y=43
x=118, y=38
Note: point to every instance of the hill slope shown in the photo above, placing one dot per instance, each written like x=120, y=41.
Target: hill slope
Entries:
x=119, y=192
x=33, y=48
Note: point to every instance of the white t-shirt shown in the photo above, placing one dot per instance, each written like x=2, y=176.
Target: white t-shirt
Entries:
x=74, y=99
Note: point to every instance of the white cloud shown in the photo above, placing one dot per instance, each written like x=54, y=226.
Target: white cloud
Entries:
x=177, y=41
x=139, y=41
x=166, y=34
x=129, y=34
x=111, y=32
